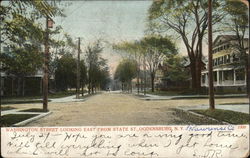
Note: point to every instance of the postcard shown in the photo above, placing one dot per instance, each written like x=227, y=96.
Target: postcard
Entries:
x=125, y=78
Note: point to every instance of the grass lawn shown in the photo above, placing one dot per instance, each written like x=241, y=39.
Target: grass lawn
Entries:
x=187, y=92
x=234, y=103
x=226, y=115
x=62, y=94
x=20, y=101
x=6, y=108
x=10, y=119
x=171, y=92
x=32, y=110
x=34, y=99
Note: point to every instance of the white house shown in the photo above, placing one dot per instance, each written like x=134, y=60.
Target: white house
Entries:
x=228, y=68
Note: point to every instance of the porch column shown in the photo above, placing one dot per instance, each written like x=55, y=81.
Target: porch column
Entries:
x=245, y=77
x=234, y=77
x=218, y=77
x=41, y=85
x=2, y=86
x=222, y=77
x=206, y=79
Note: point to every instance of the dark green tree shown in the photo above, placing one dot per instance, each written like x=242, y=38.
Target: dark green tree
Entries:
x=125, y=72
x=157, y=48
x=65, y=72
x=175, y=70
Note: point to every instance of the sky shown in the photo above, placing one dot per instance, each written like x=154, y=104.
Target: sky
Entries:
x=111, y=21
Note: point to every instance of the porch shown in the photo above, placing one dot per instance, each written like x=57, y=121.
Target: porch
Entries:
x=226, y=77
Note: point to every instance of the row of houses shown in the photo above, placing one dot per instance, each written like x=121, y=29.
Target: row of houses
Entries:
x=229, y=72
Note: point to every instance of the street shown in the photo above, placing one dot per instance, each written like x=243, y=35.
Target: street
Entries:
x=116, y=109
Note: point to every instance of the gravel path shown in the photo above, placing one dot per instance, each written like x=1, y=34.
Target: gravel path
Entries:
x=116, y=109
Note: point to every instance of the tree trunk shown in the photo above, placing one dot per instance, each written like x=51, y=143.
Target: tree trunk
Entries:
x=193, y=75
x=141, y=84
x=23, y=87
x=138, y=82
x=12, y=86
x=92, y=89
x=89, y=87
x=198, y=75
x=18, y=86
x=82, y=89
x=131, y=87
x=152, y=82
x=247, y=67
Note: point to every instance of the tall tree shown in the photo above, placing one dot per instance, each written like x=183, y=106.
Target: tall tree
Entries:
x=65, y=72
x=133, y=51
x=157, y=48
x=188, y=19
x=96, y=67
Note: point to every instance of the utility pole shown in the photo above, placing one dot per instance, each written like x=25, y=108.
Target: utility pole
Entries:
x=210, y=57
x=45, y=75
x=78, y=70
x=49, y=24
x=248, y=67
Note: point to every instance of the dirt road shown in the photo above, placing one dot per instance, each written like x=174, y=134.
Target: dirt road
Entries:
x=116, y=109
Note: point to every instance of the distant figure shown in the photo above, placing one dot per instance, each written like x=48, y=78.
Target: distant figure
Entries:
x=108, y=89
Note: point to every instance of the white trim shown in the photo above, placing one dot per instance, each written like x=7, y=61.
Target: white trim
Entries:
x=221, y=69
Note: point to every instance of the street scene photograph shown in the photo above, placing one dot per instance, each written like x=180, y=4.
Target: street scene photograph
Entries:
x=124, y=62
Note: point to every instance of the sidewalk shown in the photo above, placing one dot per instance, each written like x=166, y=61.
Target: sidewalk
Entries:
x=158, y=97
x=244, y=108
x=71, y=98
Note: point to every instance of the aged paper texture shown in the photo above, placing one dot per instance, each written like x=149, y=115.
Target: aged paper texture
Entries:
x=214, y=141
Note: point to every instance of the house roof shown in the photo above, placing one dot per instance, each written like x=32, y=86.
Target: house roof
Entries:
x=224, y=38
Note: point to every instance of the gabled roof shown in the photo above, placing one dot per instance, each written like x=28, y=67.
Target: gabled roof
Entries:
x=224, y=38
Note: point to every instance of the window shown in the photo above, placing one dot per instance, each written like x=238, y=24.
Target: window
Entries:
x=221, y=60
x=215, y=76
x=228, y=75
x=235, y=58
x=203, y=78
x=228, y=58
x=240, y=74
x=225, y=59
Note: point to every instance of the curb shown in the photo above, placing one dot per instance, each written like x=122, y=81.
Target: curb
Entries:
x=201, y=117
x=150, y=99
x=25, y=122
